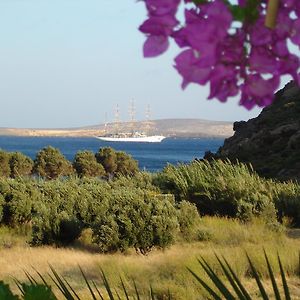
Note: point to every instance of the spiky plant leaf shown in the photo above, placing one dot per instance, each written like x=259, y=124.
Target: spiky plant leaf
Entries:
x=216, y=280
x=237, y=280
x=257, y=279
x=125, y=290
x=61, y=285
x=231, y=279
x=272, y=277
x=97, y=290
x=284, y=282
x=107, y=286
x=206, y=287
x=88, y=284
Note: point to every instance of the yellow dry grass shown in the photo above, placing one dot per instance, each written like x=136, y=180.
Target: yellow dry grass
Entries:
x=164, y=270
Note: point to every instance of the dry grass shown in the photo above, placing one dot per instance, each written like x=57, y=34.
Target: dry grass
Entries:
x=164, y=269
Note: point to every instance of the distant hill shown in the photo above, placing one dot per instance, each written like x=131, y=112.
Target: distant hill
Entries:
x=167, y=127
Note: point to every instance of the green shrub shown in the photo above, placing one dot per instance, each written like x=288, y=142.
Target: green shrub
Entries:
x=116, y=163
x=135, y=218
x=51, y=164
x=4, y=164
x=188, y=219
x=20, y=165
x=86, y=165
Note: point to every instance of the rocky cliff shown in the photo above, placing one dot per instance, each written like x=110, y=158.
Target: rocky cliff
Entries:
x=271, y=141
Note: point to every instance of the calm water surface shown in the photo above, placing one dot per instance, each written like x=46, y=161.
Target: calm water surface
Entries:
x=151, y=156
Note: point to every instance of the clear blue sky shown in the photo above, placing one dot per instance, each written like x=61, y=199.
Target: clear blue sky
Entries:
x=64, y=63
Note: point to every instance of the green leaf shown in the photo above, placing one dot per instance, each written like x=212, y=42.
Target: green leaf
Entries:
x=231, y=280
x=88, y=284
x=208, y=289
x=258, y=281
x=274, y=284
x=238, y=12
x=37, y=291
x=284, y=282
x=216, y=280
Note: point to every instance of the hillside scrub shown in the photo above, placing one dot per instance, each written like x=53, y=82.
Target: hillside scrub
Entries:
x=231, y=189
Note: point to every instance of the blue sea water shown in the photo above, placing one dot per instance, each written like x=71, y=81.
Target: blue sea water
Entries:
x=150, y=156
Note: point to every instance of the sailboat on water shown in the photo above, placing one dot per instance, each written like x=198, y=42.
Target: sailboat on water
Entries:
x=133, y=136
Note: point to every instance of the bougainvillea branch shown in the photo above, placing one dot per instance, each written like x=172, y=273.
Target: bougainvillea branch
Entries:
x=228, y=46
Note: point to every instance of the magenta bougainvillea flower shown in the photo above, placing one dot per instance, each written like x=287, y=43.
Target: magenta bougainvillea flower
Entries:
x=227, y=46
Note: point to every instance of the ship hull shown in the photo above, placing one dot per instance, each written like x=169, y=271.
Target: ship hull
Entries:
x=143, y=139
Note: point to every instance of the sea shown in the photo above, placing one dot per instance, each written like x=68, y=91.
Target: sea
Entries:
x=151, y=157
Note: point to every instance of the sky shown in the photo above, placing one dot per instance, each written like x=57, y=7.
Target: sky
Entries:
x=68, y=63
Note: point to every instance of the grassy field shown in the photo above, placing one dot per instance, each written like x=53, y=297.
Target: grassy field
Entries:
x=164, y=270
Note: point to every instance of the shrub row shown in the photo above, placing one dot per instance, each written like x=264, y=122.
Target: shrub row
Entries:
x=50, y=164
x=122, y=213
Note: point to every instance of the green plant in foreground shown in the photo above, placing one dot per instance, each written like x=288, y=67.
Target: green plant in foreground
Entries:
x=237, y=290
x=231, y=288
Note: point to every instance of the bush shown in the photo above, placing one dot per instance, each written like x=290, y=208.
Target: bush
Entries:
x=135, y=218
x=4, y=164
x=116, y=163
x=20, y=165
x=51, y=164
x=86, y=165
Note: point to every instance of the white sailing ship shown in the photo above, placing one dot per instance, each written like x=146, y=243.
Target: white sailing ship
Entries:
x=133, y=136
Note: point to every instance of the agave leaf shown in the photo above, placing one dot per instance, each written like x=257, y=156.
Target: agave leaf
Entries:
x=124, y=288
x=136, y=290
x=257, y=279
x=284, y=282
x=18, y=284
x=152, y=295
x=71, y=288
x=97, y=290
x=57, y=284
x=239, y=283
x=216, y=280
x=88, y=284
x=231, y=280
x=118, y=294
x=272, y=277
x=207, y=288
x=107, y=286
x=61, y=284
x=42, y=277
x=30, y=278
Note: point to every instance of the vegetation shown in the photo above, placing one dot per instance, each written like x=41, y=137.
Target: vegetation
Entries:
x=231, y=189
x=4, y=164
x=35, y=290
x=199, y=208
x=51, y=164
x=86, y=165
x=20, y=165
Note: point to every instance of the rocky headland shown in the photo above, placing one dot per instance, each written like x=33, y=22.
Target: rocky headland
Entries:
x=271, y=141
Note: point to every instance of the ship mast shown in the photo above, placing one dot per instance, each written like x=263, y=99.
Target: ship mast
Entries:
x=117, y=119
x=148, y=123
x=132, y=115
